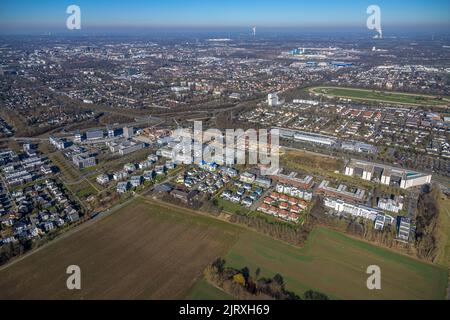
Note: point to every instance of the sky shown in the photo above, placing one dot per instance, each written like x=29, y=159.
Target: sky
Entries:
x=51, y=14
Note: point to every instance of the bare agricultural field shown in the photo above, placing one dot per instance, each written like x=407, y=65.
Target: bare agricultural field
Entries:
x=142, y=251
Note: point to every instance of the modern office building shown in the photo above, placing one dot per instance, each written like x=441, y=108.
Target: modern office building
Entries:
x=84, y=161
x=392, y=204
x=130, y=148
x=125, y=147
x=103, y=179
x=387, y=175
x=272, y=100
x=355, y=195
x=94, y=135
x=112, y=133
x=356, y=146
x=404, y=227
x=128, y=132
x=293, y=180
x=59, y=144
x=78, y=137
x=356, y=210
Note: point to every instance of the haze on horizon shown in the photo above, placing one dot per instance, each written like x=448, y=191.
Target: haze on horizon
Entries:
x=101, y=15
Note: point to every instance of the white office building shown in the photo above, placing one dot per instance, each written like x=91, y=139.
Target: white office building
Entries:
x=272, y=100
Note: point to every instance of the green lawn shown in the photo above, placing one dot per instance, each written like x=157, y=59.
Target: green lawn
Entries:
x=444, y=230
x=383, y=96
x=203, y=290
x=336, y=265
x=231, y=207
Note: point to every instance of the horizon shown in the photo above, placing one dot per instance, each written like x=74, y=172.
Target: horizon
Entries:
x=174, y=15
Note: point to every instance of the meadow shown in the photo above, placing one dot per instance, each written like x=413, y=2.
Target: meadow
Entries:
x=336, y=265
x=149, y=250
x=383, y=96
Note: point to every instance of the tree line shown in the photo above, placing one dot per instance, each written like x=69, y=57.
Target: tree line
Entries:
x=244, y=285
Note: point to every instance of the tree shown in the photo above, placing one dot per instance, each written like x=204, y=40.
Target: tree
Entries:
x=219, y=265
x=239, y=278
x=314, y=295
x=246, y=273
x=257, y=273
x=278, y=278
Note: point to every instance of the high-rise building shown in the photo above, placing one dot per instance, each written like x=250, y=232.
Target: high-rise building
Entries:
x=272, y=100
x=128, y=132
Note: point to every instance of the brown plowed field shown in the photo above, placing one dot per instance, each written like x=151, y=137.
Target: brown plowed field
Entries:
x=142, y=251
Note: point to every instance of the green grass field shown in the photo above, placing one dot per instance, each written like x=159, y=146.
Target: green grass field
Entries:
x=336, y=265
x=383, y=96
x=203, y=290
x=444, y=230
x=149, y=250
x=231, y=207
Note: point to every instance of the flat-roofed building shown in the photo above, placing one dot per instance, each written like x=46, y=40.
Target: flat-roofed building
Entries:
x=84, y=161
x=59, y=144
x=94, y=135
x=128, y=132
x=307, y=137
x=292, y=179
x=357, y=210
x=387, y=175
x=392, y=203
x=247, y=177
x=263, y=182
x=102, y=179
x=342, y=192
x=404, y=227
x=130, y=149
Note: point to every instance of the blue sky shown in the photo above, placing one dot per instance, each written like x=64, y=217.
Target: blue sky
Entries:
x=51, y=14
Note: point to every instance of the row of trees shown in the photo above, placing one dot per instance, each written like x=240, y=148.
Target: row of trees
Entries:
x=14, y=249
x=281, y=231
x=244, y=285
x=427, y=217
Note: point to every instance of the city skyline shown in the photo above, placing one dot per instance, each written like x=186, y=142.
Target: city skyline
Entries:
x=111, y=15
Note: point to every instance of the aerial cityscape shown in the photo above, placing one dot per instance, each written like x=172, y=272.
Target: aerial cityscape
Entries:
x=253, y=150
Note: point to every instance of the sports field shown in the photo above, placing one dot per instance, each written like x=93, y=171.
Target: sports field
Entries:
x=336, y=265
x=142, y=251
x=383, y=96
